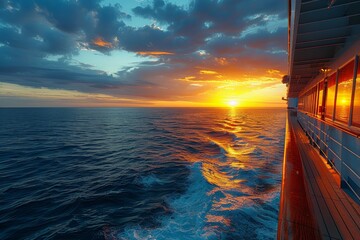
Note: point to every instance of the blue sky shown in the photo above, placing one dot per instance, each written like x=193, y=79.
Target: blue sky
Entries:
x=142, y=52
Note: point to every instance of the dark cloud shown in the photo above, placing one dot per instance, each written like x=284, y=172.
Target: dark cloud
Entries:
x=211, y=16
x=30, y=68
x=165, y=13
x=268, y=40
x=63, y=21
x=149, y=38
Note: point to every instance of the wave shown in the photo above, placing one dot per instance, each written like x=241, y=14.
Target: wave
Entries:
x=188, y=220
x=212, y=210
x=140, y=174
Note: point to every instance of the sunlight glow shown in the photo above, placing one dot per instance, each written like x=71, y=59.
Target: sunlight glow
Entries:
x=344, y=101
x=233, y=103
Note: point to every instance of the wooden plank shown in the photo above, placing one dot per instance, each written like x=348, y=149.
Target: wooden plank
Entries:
x=346, y=210
x=356, y=207
x=354, y=214
x=313, y=193
x=326, y=216
x=296, y=221
x=348, y=220
x=339, y=216
x=315, y=203
x=325, y=219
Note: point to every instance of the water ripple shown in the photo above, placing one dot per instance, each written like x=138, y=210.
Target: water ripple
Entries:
x=140, y=173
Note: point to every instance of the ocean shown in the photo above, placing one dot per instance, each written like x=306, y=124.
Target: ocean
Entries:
x=140, y=173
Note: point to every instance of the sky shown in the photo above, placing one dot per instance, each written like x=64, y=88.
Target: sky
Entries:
x=142, y=53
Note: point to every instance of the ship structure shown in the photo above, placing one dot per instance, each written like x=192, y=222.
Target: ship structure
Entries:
x=320, y=195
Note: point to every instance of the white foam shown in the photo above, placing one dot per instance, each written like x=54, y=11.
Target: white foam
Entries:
x=150, y=180
x=206, y=211
x=189, y=214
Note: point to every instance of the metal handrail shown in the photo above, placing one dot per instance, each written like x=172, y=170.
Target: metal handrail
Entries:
x=334, y=124
x=315, y=133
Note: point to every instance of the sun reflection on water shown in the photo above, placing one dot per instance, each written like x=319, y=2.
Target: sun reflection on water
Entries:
x=236, y=163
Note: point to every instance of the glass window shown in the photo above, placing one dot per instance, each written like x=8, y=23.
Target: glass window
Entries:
x=301, y=103
x=319, y=99
x=330, y=96
x=356, y=111
x=344, y=90
x=314, y=100
x=308, y=102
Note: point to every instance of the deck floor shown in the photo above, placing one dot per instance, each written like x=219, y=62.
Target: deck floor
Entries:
x=319, y=203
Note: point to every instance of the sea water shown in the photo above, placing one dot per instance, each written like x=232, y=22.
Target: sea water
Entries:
x=140, y=173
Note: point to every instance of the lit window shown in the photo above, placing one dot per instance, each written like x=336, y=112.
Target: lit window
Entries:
x=319, y=99
x=313, y=106
x=343, y=97
x=356, y=111
x=330, y=97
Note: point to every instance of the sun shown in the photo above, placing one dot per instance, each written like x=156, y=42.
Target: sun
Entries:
x=232, y=103
x=343, y=101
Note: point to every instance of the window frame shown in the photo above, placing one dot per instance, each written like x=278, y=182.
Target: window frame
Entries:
x=334, y=75
x=339, y=80
x=351, y=123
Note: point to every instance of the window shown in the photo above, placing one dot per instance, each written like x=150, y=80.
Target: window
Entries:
x=313, y=110
x=356, y=109
x=312, y=100
x=307, y=103
x=301, y=103
x=319, y=109
x=330, y=97
x=308, y=100
x=344, y=90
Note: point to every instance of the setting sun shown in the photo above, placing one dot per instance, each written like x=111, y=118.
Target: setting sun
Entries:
x=233, y=103
x=344, y=101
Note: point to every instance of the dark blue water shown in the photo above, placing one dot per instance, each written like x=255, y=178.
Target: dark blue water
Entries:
x=73, y=173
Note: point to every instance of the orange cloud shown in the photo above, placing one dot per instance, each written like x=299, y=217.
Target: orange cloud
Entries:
x=273, y=72
x=196, y=85
x=201, y=80
x=102, y=43
x=207, y=72
x=188, y=78
x=150, y=53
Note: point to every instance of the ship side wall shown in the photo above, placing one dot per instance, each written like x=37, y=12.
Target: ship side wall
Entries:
x=329, y=112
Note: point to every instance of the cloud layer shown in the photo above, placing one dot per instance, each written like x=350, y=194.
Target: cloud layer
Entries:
x=195, y=49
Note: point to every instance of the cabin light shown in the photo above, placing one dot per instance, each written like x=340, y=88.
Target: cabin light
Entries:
x=325, y=70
